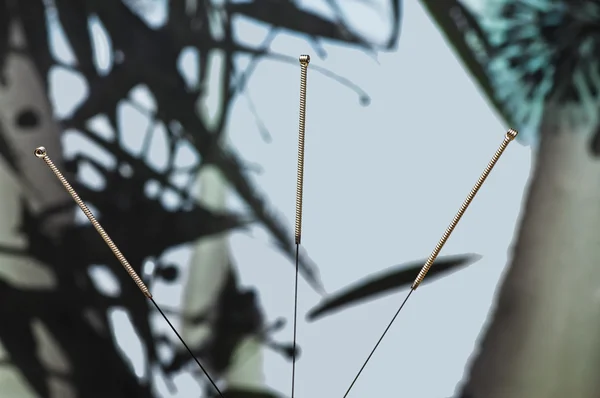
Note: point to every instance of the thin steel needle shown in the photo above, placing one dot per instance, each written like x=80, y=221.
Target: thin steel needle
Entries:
x=41, y=153
x=509, y=136
x=304, y=61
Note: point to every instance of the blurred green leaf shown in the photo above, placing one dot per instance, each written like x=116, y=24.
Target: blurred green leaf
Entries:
x=465, y=36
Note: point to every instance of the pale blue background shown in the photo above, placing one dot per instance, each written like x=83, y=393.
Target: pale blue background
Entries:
x=381, y=184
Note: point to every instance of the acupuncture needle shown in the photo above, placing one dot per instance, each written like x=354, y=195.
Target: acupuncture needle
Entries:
x=41, y=153
x=508, y=138
x=304, y=61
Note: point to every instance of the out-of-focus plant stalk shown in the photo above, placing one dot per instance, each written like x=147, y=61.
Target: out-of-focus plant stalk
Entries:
x=24, y=92
x=543, y=339
x=211, y=259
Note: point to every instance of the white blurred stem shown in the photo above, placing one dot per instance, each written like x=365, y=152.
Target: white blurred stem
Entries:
x=25, y=91
x=209, y=267
x=211, y=256
x=544, y=336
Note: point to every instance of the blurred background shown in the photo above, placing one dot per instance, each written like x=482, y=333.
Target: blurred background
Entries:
x=177, y=123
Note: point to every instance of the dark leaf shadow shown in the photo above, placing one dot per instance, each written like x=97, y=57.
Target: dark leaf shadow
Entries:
x=393, y=279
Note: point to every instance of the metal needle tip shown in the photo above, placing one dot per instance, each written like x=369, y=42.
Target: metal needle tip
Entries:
x=304, y=59
x=511, y=134
x=40, y=152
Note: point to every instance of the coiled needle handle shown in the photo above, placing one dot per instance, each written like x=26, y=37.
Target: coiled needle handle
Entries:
x=510, y=135
x=304, y=61
x=41, y=153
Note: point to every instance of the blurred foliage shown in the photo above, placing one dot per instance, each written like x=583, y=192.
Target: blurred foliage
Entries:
x=464, y=34
x=76, y=314
x=526, y=54
x=145, y=56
